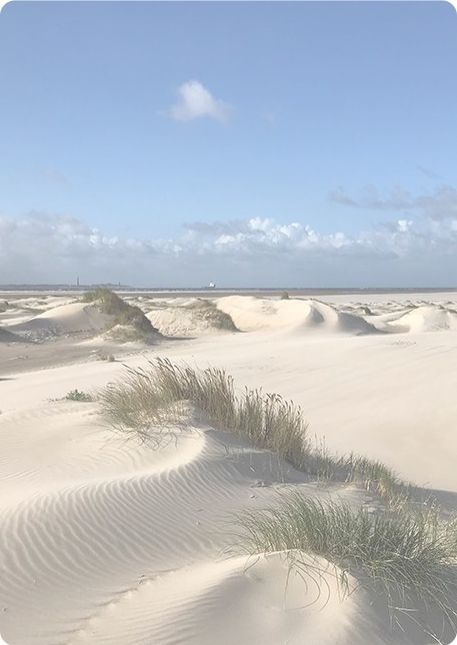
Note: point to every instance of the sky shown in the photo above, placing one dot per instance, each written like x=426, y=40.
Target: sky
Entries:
x=255, y=144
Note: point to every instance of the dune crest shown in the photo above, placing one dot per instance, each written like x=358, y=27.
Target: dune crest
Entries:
x=196, y=318
x=74, y=318
x=254, y=314
x=132, y=547
x=426, y=318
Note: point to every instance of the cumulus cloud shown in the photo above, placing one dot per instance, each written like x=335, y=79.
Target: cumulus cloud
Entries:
x=40, y=248
x=196, y=101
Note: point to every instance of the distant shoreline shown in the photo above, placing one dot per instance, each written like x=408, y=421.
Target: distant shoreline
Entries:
x=205, y=291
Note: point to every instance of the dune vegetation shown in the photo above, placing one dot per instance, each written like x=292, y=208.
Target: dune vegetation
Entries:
x=404, y=550
x=148, y=397
x=407, y=560
x=130, y=318
x=78, y=395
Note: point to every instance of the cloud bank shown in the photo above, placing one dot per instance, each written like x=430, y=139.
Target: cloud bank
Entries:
x=47, y=248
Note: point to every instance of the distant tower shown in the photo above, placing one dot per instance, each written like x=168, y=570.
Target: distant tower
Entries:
x=77, y=281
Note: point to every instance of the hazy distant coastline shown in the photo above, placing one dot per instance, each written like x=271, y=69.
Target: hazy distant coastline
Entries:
x=265, y=291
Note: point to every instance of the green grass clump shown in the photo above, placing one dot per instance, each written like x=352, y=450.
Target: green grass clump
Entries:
x=372, y=475
x=123, y=313
x=409, y=559
x=404, y=552
x=265, y=420
x=79, y=395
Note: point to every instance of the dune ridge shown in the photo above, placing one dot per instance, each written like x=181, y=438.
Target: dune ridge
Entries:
x=426, y=318
x=196, y=318
x=74, y=318
x=255, y=314
x=166, y=505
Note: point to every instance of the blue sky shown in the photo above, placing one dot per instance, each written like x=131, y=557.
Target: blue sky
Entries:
x=257, y=144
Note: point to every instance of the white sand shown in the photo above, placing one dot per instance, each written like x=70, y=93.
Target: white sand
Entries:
x=74, y=318
x=255, y=314
x=111, y=541
x=189, y=318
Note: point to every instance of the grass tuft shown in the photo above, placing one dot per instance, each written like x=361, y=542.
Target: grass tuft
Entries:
x=146, y=397
x=404, y=552
x=410, y=559
x=123, y=313
x=78, y=395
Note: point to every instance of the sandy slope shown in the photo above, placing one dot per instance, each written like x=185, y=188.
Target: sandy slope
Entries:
x=72, y=318
x=193, y=319
x=254, y=314
x=7, y=336
x=14, y=310
x=111, y=541
x=426, y=318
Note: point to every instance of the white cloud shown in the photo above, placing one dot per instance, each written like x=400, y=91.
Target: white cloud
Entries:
x=44, y=248
x=196, y=101
x=404, y=225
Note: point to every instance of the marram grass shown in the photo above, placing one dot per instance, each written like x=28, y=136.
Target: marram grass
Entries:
x=408, y=559
x=147, y=398
x=404, y=552
x=122, y=312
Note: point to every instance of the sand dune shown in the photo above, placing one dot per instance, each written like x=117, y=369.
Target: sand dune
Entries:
x=194, y=318
x=132, y=549
x=15, y=310
x=7, y=336
x=72, y=318
x=426, y=318
x=81, y=318
x=229, y=602
x=109, y=540
x=254, y=314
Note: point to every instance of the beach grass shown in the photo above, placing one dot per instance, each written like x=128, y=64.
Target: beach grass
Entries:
x=403, y=551
x=124, y=314
x=147, y=397
x=79, y=395
x=409, y=560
